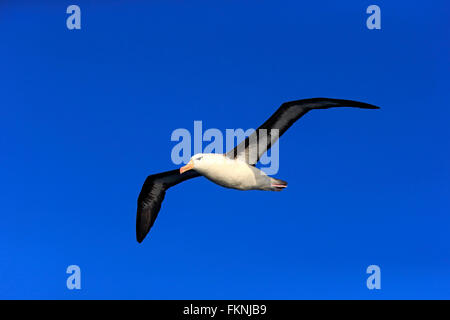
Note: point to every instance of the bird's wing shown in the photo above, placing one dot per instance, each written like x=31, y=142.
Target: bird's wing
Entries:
x=151, y=196
x=254, y=146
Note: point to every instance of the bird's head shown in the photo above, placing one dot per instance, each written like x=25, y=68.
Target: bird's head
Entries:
x=201, y=161
x=193, y=163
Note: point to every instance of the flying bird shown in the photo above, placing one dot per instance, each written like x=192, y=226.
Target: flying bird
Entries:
x=236, y=168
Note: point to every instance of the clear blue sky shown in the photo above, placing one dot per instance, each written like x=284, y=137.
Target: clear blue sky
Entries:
x=86, y=115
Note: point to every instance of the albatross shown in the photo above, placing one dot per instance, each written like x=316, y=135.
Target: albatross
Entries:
x=236, y=168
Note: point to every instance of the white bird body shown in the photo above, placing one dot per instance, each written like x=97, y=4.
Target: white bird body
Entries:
x=232, y=173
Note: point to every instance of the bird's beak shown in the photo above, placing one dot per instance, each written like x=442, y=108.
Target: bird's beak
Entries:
x=187, y=167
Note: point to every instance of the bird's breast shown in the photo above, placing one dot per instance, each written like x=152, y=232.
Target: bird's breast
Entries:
x=234, y=174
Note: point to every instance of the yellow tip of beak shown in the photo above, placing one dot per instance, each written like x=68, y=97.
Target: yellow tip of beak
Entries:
x=187, y=167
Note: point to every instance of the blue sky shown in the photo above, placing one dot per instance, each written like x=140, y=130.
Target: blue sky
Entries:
x=87, y=114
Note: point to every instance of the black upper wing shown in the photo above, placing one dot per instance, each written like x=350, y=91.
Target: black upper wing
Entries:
x=255, y=145
x=151, y=196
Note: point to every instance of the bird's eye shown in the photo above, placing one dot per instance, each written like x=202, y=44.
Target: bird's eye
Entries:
x=199, y=158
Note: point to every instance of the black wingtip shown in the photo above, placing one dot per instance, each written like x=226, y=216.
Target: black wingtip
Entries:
x=369, y=106
x=140, y=234
x=326, y=103
x=356, y=104
x=144, y=222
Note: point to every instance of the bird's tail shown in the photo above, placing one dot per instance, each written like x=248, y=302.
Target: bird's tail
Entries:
x=277, y=184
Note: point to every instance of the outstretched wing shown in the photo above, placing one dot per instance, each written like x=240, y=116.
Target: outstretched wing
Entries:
x=254, y=146
x=152, y=195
